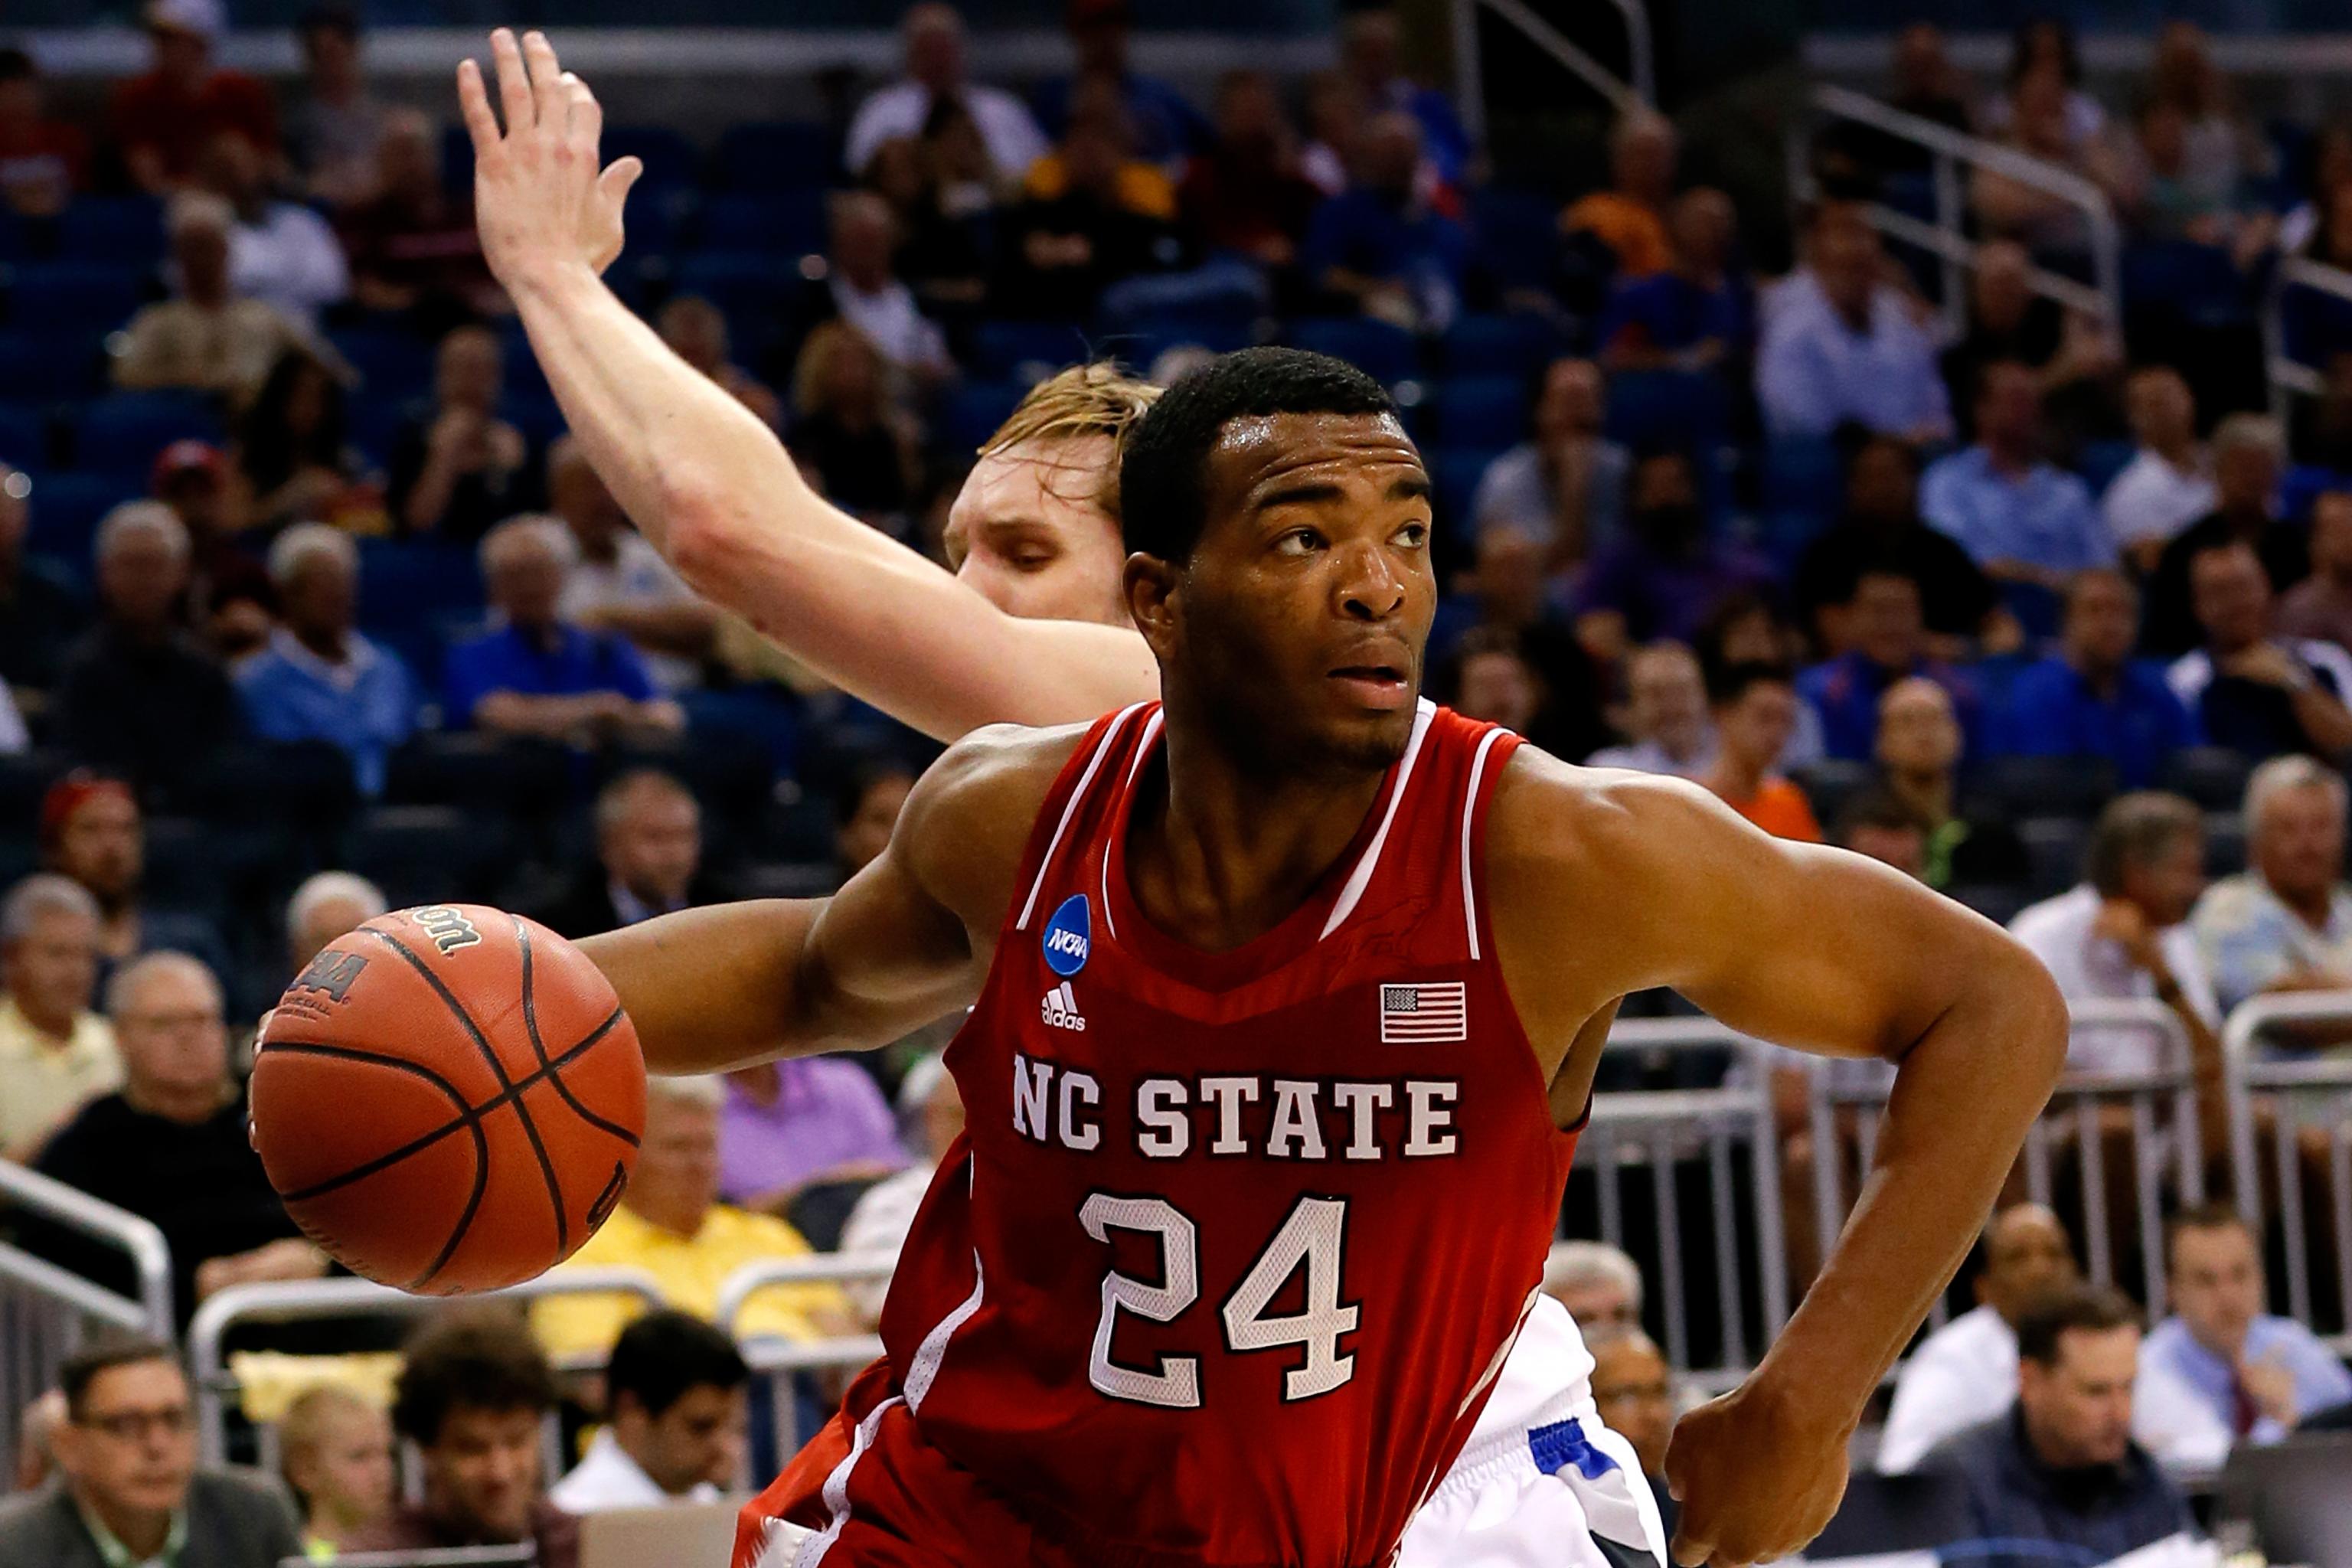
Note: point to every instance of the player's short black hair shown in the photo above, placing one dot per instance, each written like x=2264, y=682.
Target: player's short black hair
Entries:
x=472, y=1359
x=103, y=1355
x=2087, y=1308
x=663, y=1355
x=1734, y=682
x=1163, y=504
x=16, y=65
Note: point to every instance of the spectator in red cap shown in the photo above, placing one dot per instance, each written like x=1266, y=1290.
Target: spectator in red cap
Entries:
x=230, y=599
x=93, y=833
x=206, y=338
x=160, y=119
x=138, y=694
x=42, y=161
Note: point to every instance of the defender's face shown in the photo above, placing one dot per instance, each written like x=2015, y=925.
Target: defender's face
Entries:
x=1028, y=532
x=1298, y=626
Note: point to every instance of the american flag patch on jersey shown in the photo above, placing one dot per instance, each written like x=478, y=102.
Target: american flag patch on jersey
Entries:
x=1424, y=1014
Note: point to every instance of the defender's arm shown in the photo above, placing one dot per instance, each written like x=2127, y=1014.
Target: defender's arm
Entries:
x=710, y=486
x=1829, y=952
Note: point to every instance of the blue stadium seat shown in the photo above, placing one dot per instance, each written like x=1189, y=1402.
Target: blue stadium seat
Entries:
x=121, y=432
x=776, y=156
x=1139, y=342
x=1023, y=351
x=408, y=581
x=425, y=854
x=2100, y=461
x=67, y=509
x=789, y=222
x=393, y=365
x=61, y=297
x=973, y=410
x=2198, y=283
x=670, y=160
x=1455, y=472
x=1481, y=411
x=745, y=284
x=112, y=231
x=1515, y=236
x=507, y=776
x=2304, y=483
x=38, y=367
x=1683, y=409
x=1803, y=476
x=1385, y=352
x=1516, y=345
x=24, y=438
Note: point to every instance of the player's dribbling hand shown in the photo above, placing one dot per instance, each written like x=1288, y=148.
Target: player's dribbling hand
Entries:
x=541, y=198
x=1754, y=1482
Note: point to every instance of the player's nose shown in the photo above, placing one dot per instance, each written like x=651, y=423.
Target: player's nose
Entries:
x=1368, y=586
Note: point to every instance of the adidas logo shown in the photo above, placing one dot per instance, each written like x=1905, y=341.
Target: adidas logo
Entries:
x=1060, y=1008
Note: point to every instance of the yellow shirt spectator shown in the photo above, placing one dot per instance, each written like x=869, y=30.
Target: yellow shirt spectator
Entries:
x=54, y=1053
x=670, y=1225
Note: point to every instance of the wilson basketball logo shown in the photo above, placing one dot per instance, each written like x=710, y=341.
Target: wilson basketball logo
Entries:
x=1068, y=936
x=449, y=927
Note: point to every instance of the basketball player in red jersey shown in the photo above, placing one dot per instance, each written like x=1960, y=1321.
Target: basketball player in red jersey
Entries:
x=1439, y=1024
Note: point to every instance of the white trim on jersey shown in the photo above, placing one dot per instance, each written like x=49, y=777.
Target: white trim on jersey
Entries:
x=836, y=1488
x=1142, y=755
x=1361, y=877
x=1469, y=815
x=933, y=1351
x=1102, y=749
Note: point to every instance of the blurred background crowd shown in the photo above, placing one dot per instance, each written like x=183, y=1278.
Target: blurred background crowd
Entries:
x=2025, y=567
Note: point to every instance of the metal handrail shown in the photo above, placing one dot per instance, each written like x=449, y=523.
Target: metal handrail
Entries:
x=1951, y=147
x=2285, y=373
x=279, y=1301
x=809, y=1268
x=150, y=1256
x=1637, y=90
x=2243, y=1072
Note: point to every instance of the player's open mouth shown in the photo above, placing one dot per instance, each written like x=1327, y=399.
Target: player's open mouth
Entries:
x=1379, y=685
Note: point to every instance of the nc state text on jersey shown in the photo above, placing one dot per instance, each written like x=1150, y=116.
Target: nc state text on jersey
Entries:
x=1222, y=1115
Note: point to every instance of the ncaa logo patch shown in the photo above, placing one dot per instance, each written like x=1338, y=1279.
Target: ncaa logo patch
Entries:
x=1067, y=935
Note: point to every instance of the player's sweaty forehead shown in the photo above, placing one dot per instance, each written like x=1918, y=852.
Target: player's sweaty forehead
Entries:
x=1263, y=461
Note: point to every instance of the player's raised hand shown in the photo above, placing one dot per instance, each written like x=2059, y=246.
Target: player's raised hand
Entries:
x=541, y=199
x=1755, y=1483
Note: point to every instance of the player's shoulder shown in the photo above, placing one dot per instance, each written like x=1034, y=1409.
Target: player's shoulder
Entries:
x=1569, y=817
x=968, y=817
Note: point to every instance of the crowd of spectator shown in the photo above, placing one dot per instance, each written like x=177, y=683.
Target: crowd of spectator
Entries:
x=308, y=606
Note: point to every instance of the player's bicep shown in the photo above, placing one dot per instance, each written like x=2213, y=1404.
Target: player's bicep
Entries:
x=884, y=952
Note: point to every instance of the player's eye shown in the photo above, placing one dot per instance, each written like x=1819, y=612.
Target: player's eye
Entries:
x=1299, y=541
x=1414, y=536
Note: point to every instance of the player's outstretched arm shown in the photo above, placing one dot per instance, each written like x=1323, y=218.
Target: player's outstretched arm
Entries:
x=1605, y=883
x=905, y=941
x=709, y=485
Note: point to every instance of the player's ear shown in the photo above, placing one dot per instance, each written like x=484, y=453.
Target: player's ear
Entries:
x=1148, y=583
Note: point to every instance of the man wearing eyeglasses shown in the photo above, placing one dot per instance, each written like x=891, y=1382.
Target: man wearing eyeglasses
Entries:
x=129, y=1493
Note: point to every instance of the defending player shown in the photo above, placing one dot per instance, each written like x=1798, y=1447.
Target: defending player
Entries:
x=855, y=534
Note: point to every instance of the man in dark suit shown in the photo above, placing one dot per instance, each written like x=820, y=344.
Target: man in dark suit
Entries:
x=129, y=1492
x=648, y=858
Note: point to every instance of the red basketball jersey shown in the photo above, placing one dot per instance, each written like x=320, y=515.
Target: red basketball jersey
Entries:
x=1235, y=1242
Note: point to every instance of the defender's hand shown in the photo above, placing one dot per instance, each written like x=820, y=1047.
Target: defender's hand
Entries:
x=540, y=200
x=1754, y=1483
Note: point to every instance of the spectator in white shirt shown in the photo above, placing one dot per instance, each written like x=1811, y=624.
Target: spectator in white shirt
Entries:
x=1840, y=344
x=2121, y=933
x=2169, y=483
x=934, y=38
x=675, y=1408
x=1965, y=1373
x=281, y=253
x=867, y=296
x=930, y=1114
x=618, y=582
x=1668, y=718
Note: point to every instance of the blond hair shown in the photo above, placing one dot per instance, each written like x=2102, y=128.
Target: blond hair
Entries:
x=1092, y=399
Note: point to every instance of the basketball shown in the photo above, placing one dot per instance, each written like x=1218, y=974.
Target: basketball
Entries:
x=449, y=1098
